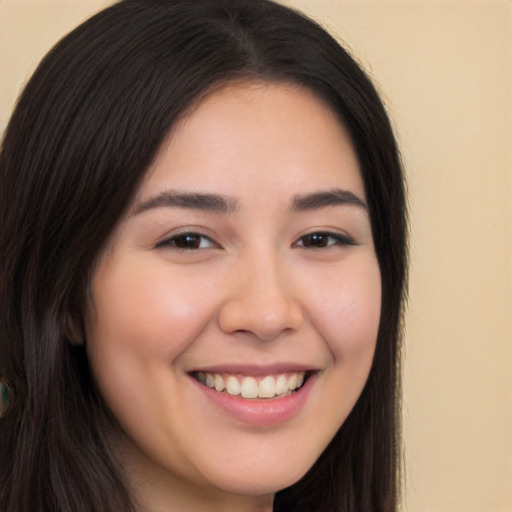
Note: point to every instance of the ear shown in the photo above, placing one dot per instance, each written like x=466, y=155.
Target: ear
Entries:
x=72, y=330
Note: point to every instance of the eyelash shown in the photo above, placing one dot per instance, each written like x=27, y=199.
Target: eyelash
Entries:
x=324, y=236
x=192, y=241
x=174, y=241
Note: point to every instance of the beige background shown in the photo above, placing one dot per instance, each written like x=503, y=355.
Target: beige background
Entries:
x=445, y=69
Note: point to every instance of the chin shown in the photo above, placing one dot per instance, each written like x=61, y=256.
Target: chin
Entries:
x=267, y=481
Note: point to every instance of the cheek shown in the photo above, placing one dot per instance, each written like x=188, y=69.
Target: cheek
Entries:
x=142, y=321
x=148, y=312
x=347, y=306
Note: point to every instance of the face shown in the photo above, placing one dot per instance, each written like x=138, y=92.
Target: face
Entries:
x=236, y=309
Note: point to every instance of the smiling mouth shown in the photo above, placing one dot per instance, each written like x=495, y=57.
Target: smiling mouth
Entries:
x=252, y=387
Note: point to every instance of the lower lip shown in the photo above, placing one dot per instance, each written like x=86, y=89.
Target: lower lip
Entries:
x=261, y=413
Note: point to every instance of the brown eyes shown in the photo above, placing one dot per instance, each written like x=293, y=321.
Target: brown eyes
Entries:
x=320, y=240
x=192, y=241
x=188, y=242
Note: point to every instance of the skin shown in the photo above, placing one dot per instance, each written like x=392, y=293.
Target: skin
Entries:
x=255, y=290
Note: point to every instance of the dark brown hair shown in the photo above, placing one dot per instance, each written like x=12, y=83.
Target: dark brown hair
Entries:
x=83, y=133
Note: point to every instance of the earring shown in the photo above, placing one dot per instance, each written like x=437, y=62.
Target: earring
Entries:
x=6, y=397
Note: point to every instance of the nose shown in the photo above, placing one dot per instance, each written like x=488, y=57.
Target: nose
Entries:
x=261, y=302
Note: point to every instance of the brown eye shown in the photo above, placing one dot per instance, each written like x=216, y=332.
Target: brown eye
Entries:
x=320, y=240
x=187, y=241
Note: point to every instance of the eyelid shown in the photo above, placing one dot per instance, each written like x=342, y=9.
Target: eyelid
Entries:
x=167, y=241
x=342, y=239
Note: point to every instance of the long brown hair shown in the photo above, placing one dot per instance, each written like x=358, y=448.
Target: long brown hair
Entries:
x=79, y=142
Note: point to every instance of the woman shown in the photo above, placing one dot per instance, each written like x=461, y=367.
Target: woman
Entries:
x=204, y=240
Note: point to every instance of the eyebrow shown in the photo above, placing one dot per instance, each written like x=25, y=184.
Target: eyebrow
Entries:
x=323, y=198
x=216, y=203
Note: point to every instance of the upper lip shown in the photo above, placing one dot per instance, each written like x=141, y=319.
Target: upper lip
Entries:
x=252, y=369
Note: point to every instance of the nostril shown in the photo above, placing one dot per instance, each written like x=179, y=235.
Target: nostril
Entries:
x=261, y=305
x=262, y=328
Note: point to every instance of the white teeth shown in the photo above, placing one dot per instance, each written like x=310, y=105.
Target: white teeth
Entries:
x=248, y=387
x=267, y=387
x=281, y=385
x=233, y=386
x=219, y=382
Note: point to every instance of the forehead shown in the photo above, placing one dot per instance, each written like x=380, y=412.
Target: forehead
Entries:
x=278, y=132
